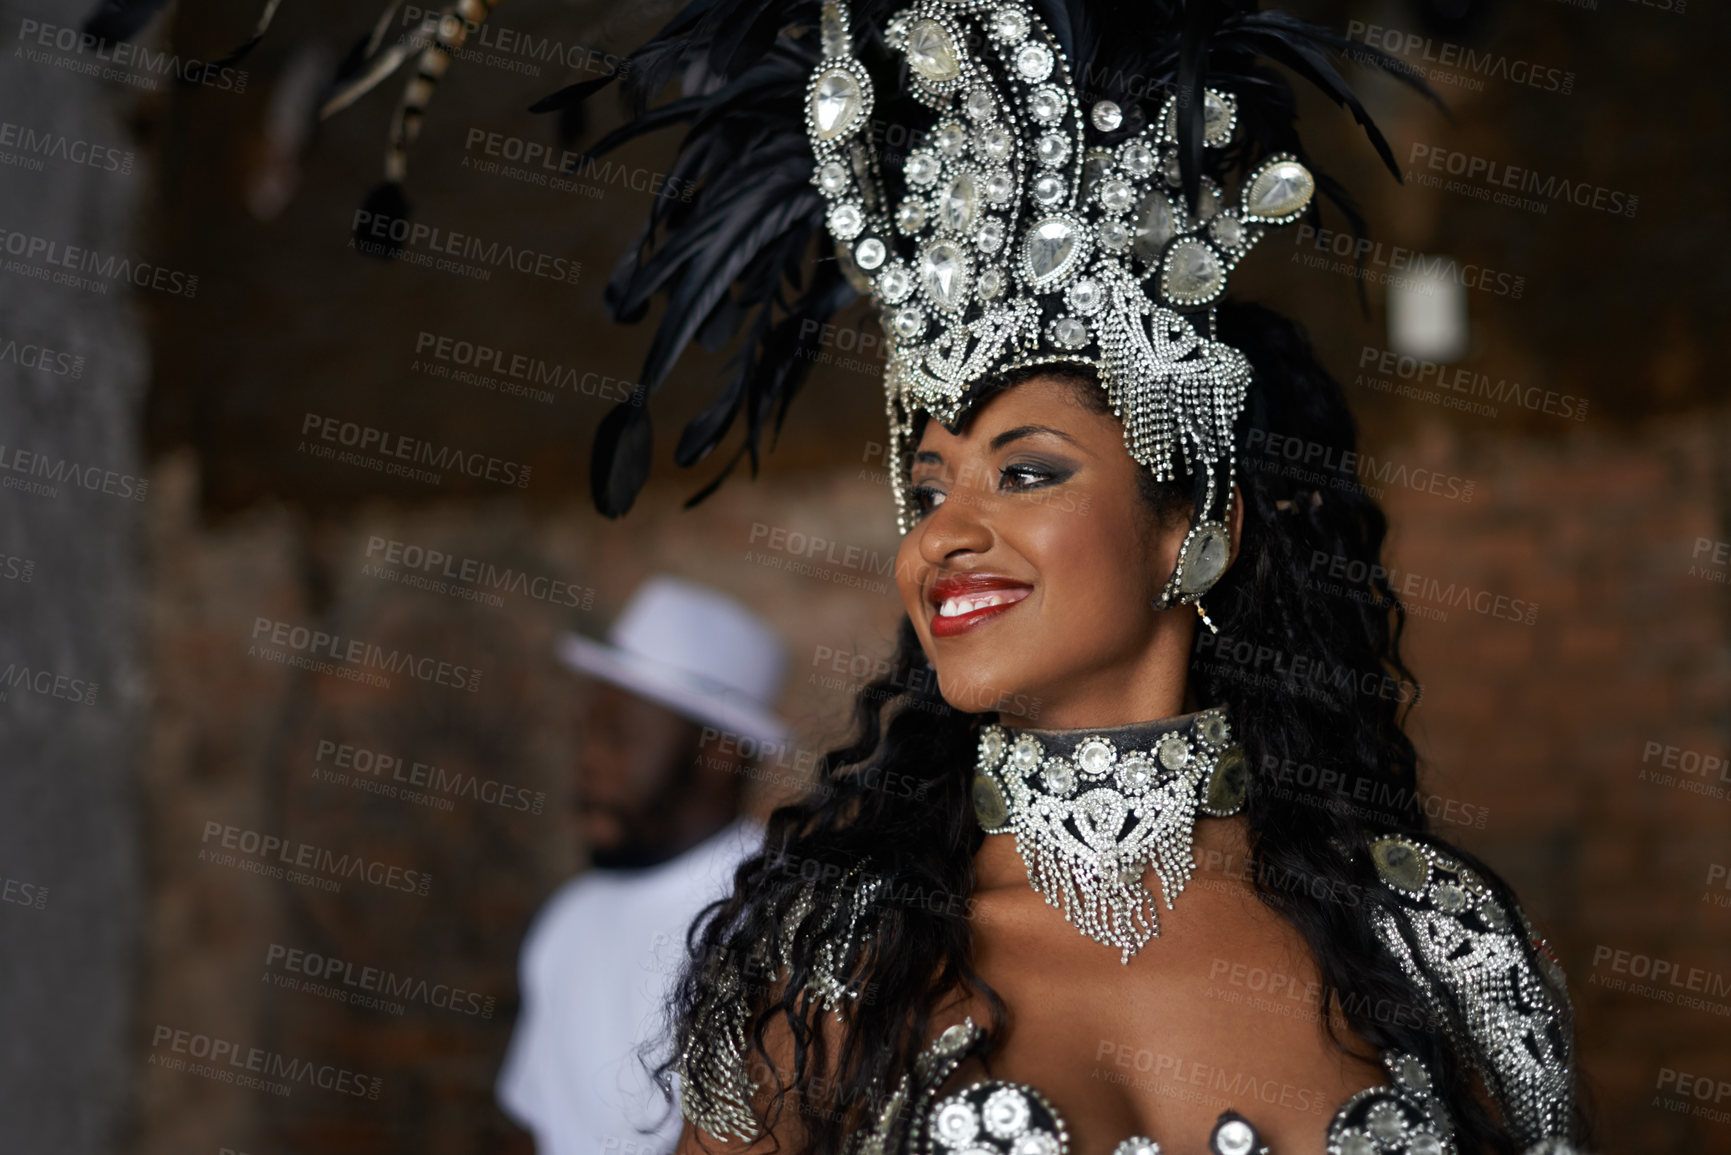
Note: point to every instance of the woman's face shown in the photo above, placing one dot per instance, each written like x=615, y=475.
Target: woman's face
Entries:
x=1031, y=571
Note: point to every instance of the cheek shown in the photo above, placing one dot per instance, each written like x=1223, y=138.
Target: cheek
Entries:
x=1097, y=560
x=910, y=574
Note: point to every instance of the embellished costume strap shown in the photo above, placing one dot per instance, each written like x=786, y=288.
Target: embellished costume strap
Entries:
x=1462, y=949
x=714, y=1066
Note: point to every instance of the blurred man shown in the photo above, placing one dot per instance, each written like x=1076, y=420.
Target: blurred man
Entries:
x=683, y=696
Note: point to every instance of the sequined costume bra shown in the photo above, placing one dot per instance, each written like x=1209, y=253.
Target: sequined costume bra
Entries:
x=1451, y=936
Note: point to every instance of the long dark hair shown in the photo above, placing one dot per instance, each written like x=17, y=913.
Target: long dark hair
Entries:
x=1311, y=672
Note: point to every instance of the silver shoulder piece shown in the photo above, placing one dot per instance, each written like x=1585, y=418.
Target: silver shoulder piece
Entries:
x=1462, y=948
x=902, y=1116
x=715, y=1070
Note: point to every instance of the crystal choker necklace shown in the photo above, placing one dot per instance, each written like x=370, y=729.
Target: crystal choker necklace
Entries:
x=1091, y=809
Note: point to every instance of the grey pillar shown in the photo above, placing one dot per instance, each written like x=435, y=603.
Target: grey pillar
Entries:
x=72, y=592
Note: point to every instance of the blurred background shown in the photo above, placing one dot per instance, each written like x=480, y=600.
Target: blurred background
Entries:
x=184, y=321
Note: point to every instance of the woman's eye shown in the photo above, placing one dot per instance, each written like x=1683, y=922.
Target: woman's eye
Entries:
x=925, y=499
x=1029, y=476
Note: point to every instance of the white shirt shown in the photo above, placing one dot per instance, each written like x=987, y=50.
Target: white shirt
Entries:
x=596, y=968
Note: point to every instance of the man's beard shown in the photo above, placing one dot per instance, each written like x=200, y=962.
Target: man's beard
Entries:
x=646, y=833
x=639, y=845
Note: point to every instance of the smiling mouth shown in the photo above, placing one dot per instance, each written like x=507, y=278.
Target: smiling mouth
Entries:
x=960, y=604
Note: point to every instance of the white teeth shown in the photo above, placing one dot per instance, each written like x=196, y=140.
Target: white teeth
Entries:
x=956, y=607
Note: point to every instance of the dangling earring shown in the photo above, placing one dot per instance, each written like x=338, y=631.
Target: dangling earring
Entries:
x=1202, y=559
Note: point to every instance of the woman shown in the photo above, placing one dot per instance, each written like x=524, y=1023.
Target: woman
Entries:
x=1164, y=883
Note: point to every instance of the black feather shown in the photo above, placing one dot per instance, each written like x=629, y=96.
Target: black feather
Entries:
x=573, y=94
x=117, y=20
x=385, y=205
x=624, y=445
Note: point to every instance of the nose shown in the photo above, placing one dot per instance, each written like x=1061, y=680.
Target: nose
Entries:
x=956, y=528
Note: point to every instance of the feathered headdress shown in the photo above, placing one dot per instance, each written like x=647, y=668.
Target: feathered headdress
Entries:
x=1033, y=230
x=1065, y=202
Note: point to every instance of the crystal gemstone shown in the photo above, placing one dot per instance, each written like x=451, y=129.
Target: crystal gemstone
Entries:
x=1051, y=248
x=1227, y=230
x=845, y=221
x=922, y=169
x=996, y=143
x=1047, y=105
x=990, y=809
x=1193, y=273
x=1138, y=158
x=956, y=1123
x=834, y=35
x=1135, y=775
x=895, y=284
x=835, y=103
x=1107, y=115
x=1281, y=189
x=1233, y=1137
x=1385, y=1122
x=1009, y=23
x=944, y=273
x=1095, y=757
x=960, y=200
x=932, y=51
x=1155, y=225
x=1226, y=785
x=1115, y=194
x=1216, y=118
x=1204, y=560
x=1058, y=777
x=1070, y=332
x=1034, y=62
x=1399, y=863
x=1006, y=1113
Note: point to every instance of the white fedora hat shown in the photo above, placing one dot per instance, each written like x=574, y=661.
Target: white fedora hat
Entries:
x=694, y=650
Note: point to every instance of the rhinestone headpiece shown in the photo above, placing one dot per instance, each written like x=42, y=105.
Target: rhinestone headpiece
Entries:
x=1019, y=243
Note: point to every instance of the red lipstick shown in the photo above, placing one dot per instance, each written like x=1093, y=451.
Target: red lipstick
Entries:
x=971, y=600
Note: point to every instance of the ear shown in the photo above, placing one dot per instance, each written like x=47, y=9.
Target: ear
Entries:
x=1236, y=528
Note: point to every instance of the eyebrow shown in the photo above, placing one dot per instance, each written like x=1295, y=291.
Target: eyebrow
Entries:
x=1022, y=431
x=933, y=457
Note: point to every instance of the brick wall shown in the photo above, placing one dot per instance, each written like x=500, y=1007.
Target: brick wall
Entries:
x=1534, y=734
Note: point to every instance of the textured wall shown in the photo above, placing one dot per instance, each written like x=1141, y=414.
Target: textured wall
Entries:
x=1561, y=626
x=72, y=697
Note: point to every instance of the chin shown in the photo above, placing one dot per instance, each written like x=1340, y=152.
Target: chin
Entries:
x=602, y=834
x=974, y=690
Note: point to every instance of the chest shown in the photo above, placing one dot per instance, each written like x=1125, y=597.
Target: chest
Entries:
x=1222, y=1012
